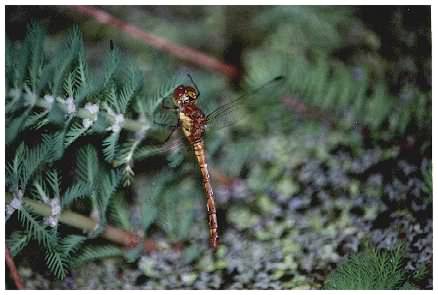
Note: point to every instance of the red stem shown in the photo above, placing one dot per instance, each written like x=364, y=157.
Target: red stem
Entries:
x=185, y=53
x=14, y=273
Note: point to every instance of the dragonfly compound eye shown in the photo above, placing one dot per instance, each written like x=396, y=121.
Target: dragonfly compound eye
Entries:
x=179, y=91
x=191, y=93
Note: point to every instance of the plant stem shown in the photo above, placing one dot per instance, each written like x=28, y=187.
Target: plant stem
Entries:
x=14, y=273
x=116, y=235
x=185, y=53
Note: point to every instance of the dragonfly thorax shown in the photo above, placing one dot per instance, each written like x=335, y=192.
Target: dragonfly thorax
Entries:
x=184, y=95
x=193, y=122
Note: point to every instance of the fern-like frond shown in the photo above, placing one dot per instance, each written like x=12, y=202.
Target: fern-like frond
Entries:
x=64, y=60
x=125, y=156
x=370, y=270
x=36, y=36
x=54, y=181
x=74, y=132
x=152, y=198
x=110, y=146
x=107, y=184
x=36, y=120
x=111, y=63
x=176, y=214
x=119, y=213
x=17, y=241
x=70, y=244
x=56, y=262
x=131, y=84
x=83, y=82
x=16, y=124
x=34, y=228
x=69, y=87
x=40, y=189
x=110, y=96
x=55, y=141
x=32, y=159
x=87, y=165
x=13, y=169
x=76, y=191
x=126, y=152
x=97, y=252
x=151, y=102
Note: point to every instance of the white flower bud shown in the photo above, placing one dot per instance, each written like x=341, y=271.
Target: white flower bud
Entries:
x=70, y=104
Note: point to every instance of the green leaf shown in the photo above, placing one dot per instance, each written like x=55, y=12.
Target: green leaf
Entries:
x=110, y=146
x=17, y=241
x=120, y=213
x=71, y=243
x=97, y=252
x=78, y=190
x=54, y=181
x=33, y=159
x=56, y=262
x=87, y=165
x=107, y=184
x=36, y=120
x=76, y=129
x=150, y=214
x=15, y=125
x=34, y=228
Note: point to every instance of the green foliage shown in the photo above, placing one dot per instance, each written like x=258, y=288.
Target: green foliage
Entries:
x=165, y=204
x=76, y=119
x=351, y=93
x=120, y=214
x=76, y=191
x=97, y=252
x=105, y=188
x=175, y=213
x=56, y=262
x=370, y=270
x=59, y=145
x=70, y=244
x=292, y=26
x=428, y=183
x=87, y=164
x=17, y=241
x=34, y=228
x=56, y=258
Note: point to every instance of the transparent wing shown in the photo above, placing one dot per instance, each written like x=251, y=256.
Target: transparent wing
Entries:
x=175, y=144
x=232, y=112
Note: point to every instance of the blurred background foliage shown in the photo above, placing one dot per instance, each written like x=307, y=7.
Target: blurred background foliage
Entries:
x=340, y=160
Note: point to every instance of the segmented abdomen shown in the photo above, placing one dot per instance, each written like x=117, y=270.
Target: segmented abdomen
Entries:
x=198, y=147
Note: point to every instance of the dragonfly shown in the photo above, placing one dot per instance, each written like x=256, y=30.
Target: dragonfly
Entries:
x=193, y=123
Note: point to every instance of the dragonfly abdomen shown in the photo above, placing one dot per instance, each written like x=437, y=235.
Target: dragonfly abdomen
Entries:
x=198, y=147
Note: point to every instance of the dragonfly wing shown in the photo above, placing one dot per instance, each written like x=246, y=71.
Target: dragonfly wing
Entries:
x=226, y=115
x=172, y=145
x=233, y=111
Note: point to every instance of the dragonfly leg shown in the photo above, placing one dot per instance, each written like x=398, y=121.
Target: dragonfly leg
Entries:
x=170, y=133
x=168, y=108
x=165, y=125
x=194, y=84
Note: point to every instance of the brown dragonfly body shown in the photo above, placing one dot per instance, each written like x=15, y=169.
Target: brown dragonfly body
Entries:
x=193, y=122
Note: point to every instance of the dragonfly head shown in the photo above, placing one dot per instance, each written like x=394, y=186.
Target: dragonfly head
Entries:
x=184, y=94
